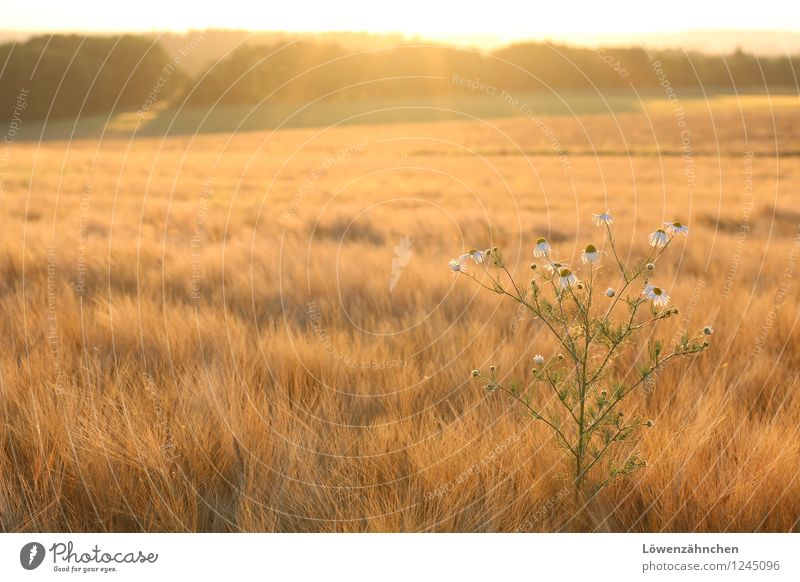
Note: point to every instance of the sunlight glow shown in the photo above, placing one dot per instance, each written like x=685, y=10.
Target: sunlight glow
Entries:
x=503, y=20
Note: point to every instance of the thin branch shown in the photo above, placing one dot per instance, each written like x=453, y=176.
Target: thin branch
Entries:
x=536, y=415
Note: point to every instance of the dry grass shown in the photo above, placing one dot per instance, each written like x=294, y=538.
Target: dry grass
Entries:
x=298, y=393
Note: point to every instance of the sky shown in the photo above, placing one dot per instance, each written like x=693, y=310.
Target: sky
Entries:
x=504, y=20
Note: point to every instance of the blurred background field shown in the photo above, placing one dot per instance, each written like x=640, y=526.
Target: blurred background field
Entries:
x=191, y=121
x=212, y=342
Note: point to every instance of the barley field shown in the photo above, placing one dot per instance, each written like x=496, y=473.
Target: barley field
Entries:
x=258, y=331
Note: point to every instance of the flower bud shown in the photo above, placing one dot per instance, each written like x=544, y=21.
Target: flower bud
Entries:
x=475, y=373
x=651, y=267
x=649, y=424
x=610, y=292
x=538, y=359
x=708, y=330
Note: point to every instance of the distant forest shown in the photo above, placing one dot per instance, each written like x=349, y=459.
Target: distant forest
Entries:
x=65, y=76
x=69, y=75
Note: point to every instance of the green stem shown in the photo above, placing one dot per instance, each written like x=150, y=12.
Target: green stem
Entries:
x=536, y=415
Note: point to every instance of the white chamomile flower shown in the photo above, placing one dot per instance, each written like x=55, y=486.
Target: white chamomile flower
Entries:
x=590, y=254
x=538, y=359
x=657, y=295
x=659, y=238
x=610, y=292
x=566, y=278
x=457, y=265
x=542, y=247
x=602, y=218
x=475, y=255
x=676, y=228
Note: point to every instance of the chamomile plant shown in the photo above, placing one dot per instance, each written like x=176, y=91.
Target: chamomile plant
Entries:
x=578, y=392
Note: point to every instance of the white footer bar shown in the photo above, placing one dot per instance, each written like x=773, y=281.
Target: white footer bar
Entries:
x=401, y=557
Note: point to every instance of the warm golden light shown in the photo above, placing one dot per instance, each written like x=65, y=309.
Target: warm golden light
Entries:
x=503, y=20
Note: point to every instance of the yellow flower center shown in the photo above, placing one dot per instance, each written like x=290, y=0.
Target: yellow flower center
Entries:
x=565, y=272
x=540, y=241
x=591, y=249
x=657, y=291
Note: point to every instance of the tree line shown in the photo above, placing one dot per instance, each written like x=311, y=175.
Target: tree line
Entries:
x=65, y=76
x=309, y=70
x=71, y=75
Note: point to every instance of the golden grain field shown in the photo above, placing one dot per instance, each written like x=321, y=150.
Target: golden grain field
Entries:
x=209, y=333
